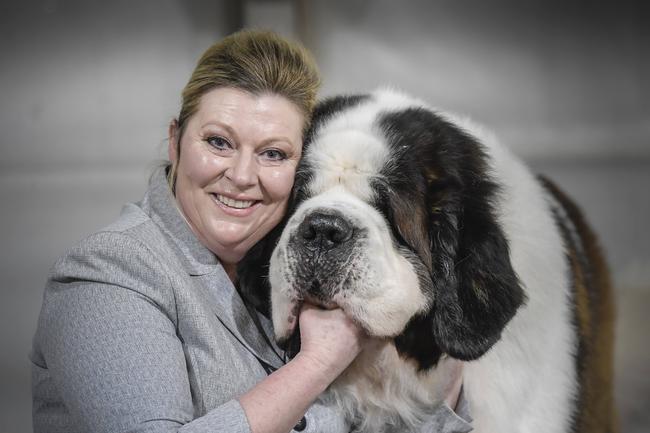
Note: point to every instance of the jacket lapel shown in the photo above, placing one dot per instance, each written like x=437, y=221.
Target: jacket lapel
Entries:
x=233, y=314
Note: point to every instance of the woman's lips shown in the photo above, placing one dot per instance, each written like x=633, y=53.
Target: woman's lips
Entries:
x=239, y=208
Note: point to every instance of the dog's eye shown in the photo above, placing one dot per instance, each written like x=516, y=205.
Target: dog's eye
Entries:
x=384, y=204
x=382, y=200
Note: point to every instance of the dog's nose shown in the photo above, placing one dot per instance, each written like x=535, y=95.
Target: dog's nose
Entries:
x=325, y=230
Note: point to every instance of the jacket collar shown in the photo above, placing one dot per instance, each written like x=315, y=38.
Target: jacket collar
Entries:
x=162, y=207
x=203, y=266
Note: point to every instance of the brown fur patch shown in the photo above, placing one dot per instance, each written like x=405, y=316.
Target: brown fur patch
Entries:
x=594, y=318
x=411, y=222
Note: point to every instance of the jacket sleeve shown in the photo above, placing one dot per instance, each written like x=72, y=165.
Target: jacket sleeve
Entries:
x=446, y=420
x=108, y=336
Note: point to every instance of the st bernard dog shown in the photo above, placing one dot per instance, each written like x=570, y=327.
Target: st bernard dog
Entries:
x=438, y=241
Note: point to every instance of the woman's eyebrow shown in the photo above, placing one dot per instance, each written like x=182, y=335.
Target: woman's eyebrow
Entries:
x=230, y=130
x=282, y=138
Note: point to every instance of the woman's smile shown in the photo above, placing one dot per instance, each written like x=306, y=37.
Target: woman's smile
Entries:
x=238, y=204
x=237, y=208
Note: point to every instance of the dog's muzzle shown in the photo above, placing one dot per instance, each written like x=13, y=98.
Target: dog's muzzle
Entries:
x=323, y=243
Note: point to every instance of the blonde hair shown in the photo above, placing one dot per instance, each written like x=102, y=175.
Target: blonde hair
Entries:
x=257, y=62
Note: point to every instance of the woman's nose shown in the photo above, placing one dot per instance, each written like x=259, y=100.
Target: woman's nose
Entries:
x=243, y=170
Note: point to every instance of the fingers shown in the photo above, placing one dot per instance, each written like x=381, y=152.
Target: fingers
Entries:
x=329, y=336
x=328, y=318
x=316, y=318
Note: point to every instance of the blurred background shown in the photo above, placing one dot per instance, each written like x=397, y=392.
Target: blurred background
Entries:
x=88, y=88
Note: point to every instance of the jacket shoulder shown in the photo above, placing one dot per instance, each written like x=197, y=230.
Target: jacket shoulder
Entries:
x=131, y=253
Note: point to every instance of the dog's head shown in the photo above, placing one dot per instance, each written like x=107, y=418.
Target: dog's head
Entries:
x=393, y=220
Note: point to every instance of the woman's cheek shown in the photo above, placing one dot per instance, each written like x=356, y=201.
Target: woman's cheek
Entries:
x=281, y=181
x=203, y=167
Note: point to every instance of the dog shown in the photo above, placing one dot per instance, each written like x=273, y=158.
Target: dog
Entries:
x=439, y=242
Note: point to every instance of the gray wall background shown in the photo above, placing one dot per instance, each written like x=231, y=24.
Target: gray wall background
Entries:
x=88, y=88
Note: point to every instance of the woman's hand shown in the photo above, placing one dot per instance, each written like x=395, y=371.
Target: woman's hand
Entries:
x=329, y=339
x=329, y=342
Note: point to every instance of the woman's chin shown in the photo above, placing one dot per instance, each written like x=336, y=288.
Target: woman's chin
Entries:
x=232, y=244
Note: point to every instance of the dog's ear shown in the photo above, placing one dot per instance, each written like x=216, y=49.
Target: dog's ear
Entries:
x=440, y=182
x=477, y=291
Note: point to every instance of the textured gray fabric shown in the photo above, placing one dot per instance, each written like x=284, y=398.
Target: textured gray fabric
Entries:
x=446, y=420
x=141, y=330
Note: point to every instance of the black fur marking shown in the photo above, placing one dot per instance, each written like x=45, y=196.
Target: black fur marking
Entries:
x=439, y=168
x=416, y=343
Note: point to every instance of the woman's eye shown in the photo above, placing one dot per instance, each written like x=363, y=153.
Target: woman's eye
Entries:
x=218, y=142
x=274, y=155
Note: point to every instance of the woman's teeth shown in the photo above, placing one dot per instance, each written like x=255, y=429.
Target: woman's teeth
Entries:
x=237, y=204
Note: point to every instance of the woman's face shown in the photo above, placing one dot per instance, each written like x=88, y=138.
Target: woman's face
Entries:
x=237, y=161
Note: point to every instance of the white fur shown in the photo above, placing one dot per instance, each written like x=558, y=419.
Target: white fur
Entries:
x=526, y=382
x=405, y=396
x=347, y=159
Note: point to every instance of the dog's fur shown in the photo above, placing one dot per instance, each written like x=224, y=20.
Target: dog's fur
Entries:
x=440, y=242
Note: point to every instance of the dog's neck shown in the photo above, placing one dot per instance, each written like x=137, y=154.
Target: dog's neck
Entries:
x=387, y=388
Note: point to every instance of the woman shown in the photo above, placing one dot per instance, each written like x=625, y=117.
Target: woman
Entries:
x=142, y=328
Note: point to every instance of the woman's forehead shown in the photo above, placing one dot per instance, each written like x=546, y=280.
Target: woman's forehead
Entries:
x=265, y=113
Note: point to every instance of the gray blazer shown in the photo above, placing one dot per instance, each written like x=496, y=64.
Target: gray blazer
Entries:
x=141, y=330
